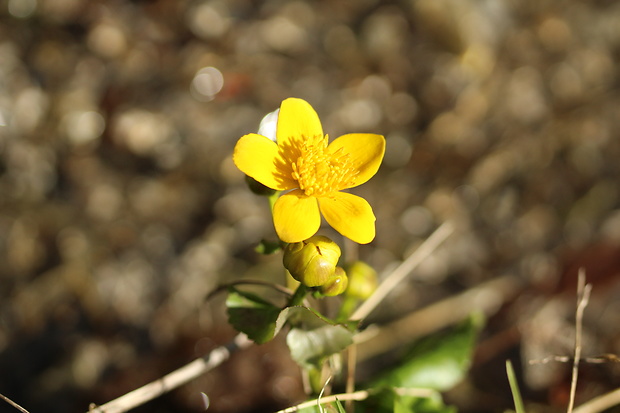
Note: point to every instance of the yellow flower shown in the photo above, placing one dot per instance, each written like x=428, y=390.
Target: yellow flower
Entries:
x=314, y=173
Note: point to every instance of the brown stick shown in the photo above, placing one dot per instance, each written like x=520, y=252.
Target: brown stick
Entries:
x=12, y=403
x=173, y=380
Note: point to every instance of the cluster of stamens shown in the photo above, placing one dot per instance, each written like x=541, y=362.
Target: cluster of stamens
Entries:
x=318, y=172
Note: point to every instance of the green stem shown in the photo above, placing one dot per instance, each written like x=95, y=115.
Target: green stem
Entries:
x=298, y=297
x=349, y=304
x=315, y=379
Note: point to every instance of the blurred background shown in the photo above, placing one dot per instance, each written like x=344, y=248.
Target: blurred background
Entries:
x=120, y=208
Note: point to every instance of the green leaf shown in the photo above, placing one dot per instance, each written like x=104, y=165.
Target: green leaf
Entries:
x=261, y=321
x=514, y=387
x=268, y=247
x=308, y=318
x=339, y=406
x=252, y=315
x=438, y=361
x=315, y=337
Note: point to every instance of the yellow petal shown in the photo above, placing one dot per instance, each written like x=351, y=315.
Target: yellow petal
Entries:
x=296, y=217
x=297, y=121
x=365, y=151
x=259, y=157
x=350, y=215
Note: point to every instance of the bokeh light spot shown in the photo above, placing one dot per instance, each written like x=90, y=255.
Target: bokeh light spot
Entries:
x=208, y=21
x=207, y=83
x=84, y=127
x=22, y=8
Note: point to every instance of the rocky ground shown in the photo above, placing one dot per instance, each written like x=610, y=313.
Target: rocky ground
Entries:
x=120, y=208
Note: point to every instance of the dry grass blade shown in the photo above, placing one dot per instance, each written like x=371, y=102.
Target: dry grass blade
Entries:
x=12, y=403
x=583, y=296
x=173, y=380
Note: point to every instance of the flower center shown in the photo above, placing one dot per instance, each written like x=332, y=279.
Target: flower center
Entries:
x=319, y=172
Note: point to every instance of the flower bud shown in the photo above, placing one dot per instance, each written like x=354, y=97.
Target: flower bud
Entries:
x=362, y=280
x=336, y=285
x=269, y=124
x=312, y=262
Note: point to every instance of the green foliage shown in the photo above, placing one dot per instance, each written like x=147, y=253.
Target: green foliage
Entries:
x=315, y=337
x=438, y=361
x=252, y=315
x=435, y=363
x=312, y=338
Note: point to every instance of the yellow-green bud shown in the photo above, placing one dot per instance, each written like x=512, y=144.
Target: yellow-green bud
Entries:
x=336, y=285
x=312, y=262
x=362, y=280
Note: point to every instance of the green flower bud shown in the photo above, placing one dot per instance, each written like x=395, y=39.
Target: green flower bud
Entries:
x=312, y=262
x=362, y=280
x=336, y=285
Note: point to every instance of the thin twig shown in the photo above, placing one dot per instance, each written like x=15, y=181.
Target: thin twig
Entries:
x=603, y=358
x=583, y=296
x=403, y=270
x=12, y=403
x=173, y=380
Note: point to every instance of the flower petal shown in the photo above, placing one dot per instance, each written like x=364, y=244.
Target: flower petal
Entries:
x=350, y=215
x=296, y=122
x=259, y=157
x=365, y=151
x=296, y=216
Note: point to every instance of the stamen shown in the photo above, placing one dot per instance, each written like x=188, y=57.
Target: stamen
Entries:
x=318, y=172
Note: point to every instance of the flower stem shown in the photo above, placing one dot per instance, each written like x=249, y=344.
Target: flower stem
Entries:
x=298, y=297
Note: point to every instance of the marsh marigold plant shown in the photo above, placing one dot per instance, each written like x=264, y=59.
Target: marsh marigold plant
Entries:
x=313, y=173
